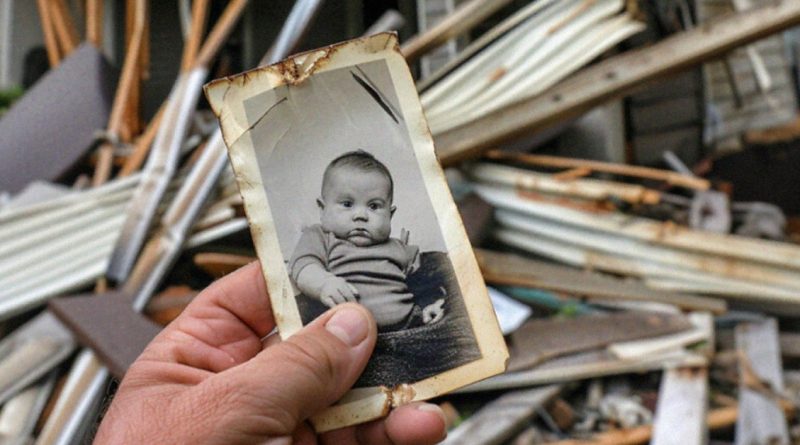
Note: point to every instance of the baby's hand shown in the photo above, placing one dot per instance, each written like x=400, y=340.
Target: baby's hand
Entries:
x=336, y=290
x=433, y=312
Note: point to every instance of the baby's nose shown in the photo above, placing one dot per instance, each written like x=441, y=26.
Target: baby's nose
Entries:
x=360, y=214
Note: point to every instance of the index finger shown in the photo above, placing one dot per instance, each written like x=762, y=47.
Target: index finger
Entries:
x=222, y=327
x=242, y=294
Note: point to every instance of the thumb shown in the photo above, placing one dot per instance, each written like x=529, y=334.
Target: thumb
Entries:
x=295, y=379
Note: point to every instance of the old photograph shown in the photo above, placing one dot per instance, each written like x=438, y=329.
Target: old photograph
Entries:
x=347, y=203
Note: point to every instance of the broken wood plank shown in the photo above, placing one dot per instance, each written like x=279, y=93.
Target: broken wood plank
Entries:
x=514, y=270
x=589, y=189
x=681, y=410
x=511, y=23
x=716, y=419
x=19, y=415
x=670, y=177
x=499, y=420
x=650, y=255
x=104, y=325
x=534, y=342
x=163, y=161
x=585, y=365
x=30, y=352
x=651, y=273
x=702, y=331
x=517, y=69
x=463, y=19
x=50, y=42
x=776, y=254
x=761, y=419
x=64, y=26
x=200, y=10
x=613, y=78
x=94, y=22
x=128, y=84
x=142, y=146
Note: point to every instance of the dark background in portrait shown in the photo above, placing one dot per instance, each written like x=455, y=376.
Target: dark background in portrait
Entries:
x=298, y=130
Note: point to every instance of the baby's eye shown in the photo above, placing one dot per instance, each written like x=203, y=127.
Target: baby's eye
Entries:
x=347, y=204
x=375, y=206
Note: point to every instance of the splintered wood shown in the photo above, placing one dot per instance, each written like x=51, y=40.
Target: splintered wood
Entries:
x=499, y=420
x=761, y=419
x=605, y=80
x=681, y=411
x=514, y=270
x=535, y=343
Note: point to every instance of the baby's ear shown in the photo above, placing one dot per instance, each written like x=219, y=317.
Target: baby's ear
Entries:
x=320, y=204
x=392, y=209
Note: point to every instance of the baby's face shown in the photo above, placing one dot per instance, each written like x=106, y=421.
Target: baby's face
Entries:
x=357, y=206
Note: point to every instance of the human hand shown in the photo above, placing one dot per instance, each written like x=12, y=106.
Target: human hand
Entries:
x=336, y=290
x=433, y=312
x=208, y=378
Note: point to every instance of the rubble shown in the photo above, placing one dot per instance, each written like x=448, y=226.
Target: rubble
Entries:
x=642, y=299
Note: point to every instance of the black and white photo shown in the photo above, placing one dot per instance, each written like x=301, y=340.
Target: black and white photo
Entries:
x=347, y=203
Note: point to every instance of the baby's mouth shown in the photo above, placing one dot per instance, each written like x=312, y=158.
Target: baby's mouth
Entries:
x=359, y=232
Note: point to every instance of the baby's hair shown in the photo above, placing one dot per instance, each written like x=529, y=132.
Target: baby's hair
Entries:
x=363, y=161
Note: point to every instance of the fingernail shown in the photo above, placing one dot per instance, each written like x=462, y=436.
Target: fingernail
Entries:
x=431, y=408
x=350, y=325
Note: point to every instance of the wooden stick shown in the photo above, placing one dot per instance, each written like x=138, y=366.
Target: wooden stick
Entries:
x=463, y=19
x=64, y=26
x=670, y=177
x=682, y=405
x=613, y=78
x=782, y=255
x=128, y=79
x=220, y=32
x=513, y=270
x=592, y=189
x=94, y=22
x=51, y=44
x=192, y=45
x=761, y=419
x=143, y=144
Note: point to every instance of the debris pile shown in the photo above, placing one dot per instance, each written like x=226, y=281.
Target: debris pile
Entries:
x=643, y=300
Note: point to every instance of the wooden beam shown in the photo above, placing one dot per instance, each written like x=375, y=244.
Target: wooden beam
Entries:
x=670, y=177
x=64, y=26
x=197, y=30
x=585, y=365
x=525, y=180
x=514, y=270
x=681, y=409
x=612, y=78
x=94, y=22
x=500, y=419
x=142, y=146
x=533, y=344
x=50, y=40
x=219, y=33
x=128, y=85
x=461, y=20
x=761, y=419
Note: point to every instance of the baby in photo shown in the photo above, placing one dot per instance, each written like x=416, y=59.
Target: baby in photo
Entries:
x=350, y=255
